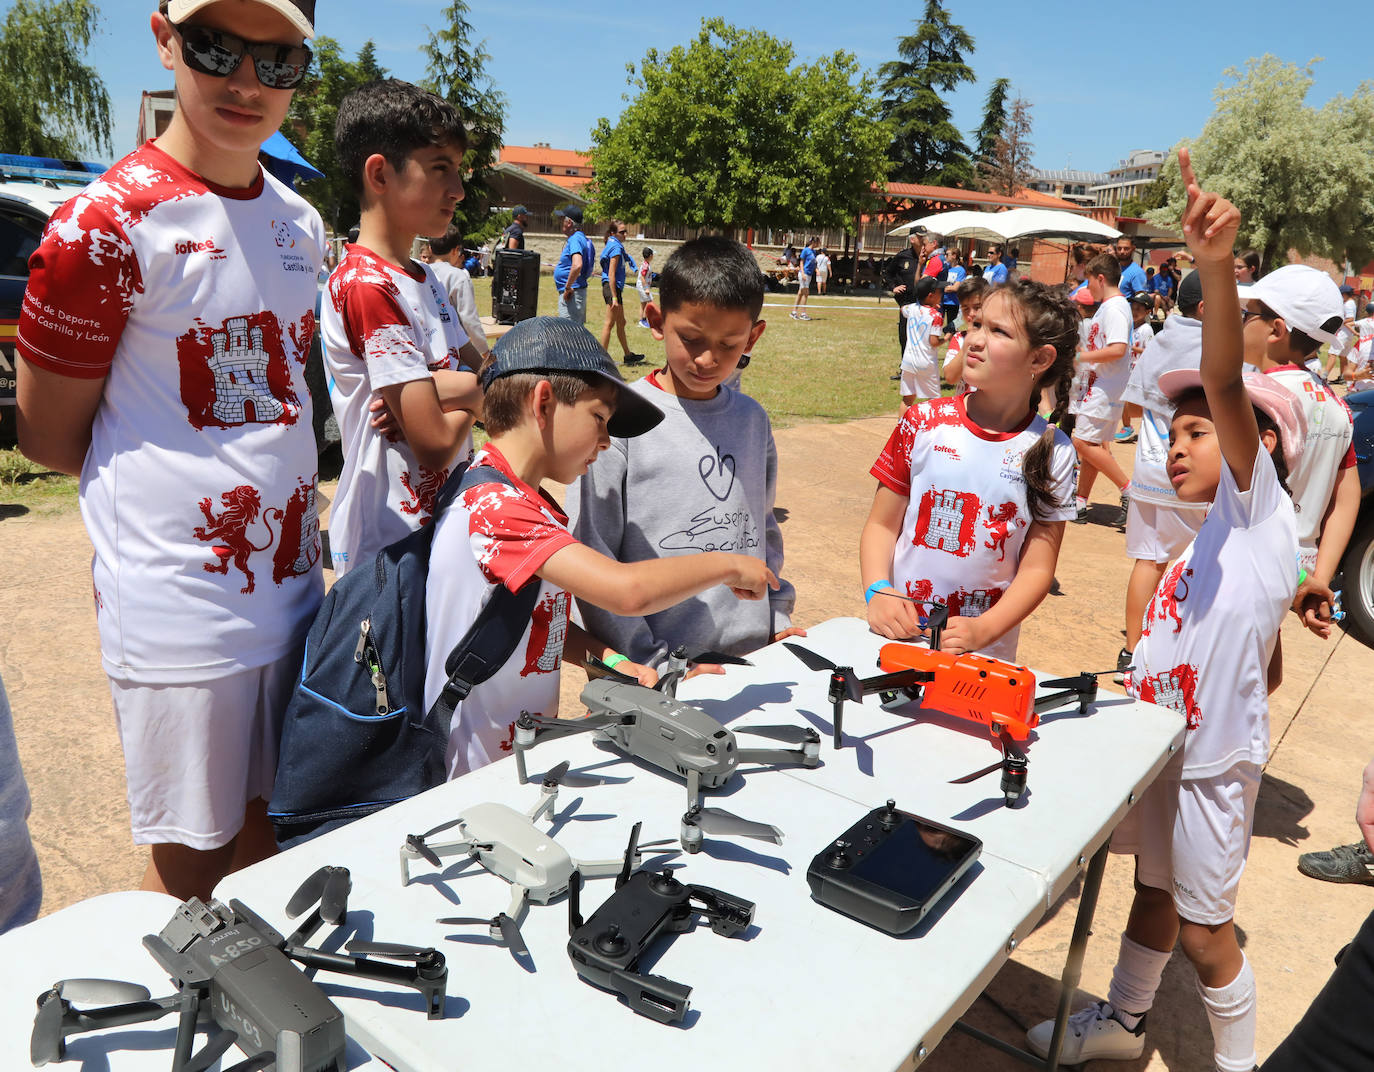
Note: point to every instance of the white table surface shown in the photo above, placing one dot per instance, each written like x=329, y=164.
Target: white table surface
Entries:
x=1084, y=770
x=99, y=938
x=804, y=971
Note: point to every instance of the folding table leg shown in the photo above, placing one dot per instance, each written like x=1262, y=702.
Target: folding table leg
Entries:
x=1073, y=967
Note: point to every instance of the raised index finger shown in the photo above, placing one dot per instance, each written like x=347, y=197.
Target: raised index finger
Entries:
x=1185, y=167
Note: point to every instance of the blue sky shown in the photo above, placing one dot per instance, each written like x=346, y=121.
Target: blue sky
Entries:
x=1146, y=74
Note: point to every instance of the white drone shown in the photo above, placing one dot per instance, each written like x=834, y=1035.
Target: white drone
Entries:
x=510, y=845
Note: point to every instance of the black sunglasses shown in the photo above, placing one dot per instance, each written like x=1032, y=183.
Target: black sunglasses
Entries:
x=219, y=54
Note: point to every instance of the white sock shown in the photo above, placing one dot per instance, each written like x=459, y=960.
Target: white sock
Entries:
x=1080, y=502
x=1135, y=979
x=1231, y=1009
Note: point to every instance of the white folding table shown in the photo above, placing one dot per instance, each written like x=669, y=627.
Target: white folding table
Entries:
x=805, y=984
x=100, y=938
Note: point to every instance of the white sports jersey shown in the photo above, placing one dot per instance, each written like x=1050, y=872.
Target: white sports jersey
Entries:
x=1326, y=451
x=196, y=303
x=1177, y=346
x=923, y=324
x=953, y=350
x=382, y=326
x=1097, y=386
x=966, y=515
x=494, y=534
x=457, y=284
x=1210, y=627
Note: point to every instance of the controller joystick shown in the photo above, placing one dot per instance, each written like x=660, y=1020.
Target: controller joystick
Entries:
x=890, y=817
x=838, y=857
x=611, y=942
x=665, y=884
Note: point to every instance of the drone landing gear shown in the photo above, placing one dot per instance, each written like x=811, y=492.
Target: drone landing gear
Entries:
x=1014, y=767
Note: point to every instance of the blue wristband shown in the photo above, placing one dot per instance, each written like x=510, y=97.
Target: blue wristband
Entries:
x=874, y=588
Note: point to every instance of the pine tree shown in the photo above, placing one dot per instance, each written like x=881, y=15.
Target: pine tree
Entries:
x=52, y=103
x=994, y=120
x=928, y=147
x=456, y=70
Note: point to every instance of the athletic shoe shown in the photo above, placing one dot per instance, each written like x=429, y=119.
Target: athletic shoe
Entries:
x=793, y=315
x=643, y=323
x=1081, y=518
x=634, y=359
x=1120, y=521
x=802, y=316
x=1344, y=863
x=1124, y=435
x=1123, y=663
x=1092, y=1033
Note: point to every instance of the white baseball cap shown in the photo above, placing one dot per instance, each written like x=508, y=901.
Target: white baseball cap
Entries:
x=300, y=13
x=1308, y=300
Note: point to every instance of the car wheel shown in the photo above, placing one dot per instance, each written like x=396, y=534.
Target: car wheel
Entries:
x=1357, y=568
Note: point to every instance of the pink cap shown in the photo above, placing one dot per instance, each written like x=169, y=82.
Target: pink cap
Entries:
x=1267, y=394
x=1084, y=297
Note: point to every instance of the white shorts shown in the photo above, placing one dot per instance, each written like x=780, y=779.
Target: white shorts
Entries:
x=1159, y=533
x=920, y=383
x=195, y=755
x=1097, y=429
x=1191, y=837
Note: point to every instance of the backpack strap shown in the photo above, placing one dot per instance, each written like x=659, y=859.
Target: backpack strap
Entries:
x=493, y=637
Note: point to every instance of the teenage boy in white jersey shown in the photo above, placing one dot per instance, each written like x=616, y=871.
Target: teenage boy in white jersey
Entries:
x=388, y=327
x=1104, y=365
x=162, y=346
x=1288, y=315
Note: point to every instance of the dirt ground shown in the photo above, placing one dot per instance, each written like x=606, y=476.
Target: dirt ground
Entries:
x=1292, y=926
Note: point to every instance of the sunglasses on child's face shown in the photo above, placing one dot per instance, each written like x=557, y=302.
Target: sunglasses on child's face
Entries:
x=219, y=54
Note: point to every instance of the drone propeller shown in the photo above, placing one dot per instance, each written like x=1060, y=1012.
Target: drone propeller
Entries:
x=717, y=658
x=45, y=1045
x=388, y=949
x=508, y=928
x=559, y=776
x=812, y=660
x=330, y=886
x=416, y=842
x=728, y=824
x=797, y=735
x=596, y=668
x=1013, y=765
x=101, y=991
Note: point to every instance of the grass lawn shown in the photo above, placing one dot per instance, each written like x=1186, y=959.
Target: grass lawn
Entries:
x=835, y=367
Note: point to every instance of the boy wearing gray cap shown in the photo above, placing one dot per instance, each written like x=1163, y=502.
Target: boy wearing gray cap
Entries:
x=553, y=401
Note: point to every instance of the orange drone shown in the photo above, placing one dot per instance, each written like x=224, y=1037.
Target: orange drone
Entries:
x=991, y=692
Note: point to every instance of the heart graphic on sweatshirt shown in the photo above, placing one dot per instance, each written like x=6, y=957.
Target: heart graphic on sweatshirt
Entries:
x=717, y=473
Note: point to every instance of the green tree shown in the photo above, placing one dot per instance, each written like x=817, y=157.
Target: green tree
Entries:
x=725, y=132
x=1302, y=177
x=310, y=125
x=1009, y=168
x=994, y=120
x=456, y=70
x=927, y=147
x=52, y=103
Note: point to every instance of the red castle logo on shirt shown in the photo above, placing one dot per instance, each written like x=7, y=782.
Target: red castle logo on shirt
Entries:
x=548, y=630
x=1175, y=689
x=970, y=604
x=238, y=374
x=299, y=548
x=945, y=521
x=1001, y=523
x=424, y=494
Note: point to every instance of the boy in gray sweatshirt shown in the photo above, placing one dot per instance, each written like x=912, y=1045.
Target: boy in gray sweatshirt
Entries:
x=702, y=480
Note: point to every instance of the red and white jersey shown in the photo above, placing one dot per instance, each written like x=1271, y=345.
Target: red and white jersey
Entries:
x=1210, y=627
x=494, y=534
x=382, y=326
x=1327, y=450
x=923, y=326
x=966, y=515
x=1097, y=386
x=196, y=305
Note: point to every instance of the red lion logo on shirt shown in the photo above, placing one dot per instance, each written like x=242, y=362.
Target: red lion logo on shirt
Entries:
x=1164, y=603
x=1001, y=523
x=228, y=533
x=423, y=494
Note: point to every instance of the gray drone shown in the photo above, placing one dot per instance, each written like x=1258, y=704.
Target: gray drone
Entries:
x=510, y=845
x=678, y=737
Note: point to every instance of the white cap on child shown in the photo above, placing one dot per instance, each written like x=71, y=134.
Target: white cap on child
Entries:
x=1308, y=300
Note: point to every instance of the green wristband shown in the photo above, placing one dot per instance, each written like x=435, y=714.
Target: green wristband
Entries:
x=615, y=660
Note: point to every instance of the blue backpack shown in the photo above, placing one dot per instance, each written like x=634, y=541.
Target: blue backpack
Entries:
x=356, y=736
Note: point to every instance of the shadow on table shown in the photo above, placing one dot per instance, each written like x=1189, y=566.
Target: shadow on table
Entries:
x=1279, y=809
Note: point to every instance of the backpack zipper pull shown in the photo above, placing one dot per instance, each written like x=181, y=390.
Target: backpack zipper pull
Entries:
x=364, y=628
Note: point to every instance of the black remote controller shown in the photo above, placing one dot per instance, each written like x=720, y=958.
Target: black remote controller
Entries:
x=890, y=868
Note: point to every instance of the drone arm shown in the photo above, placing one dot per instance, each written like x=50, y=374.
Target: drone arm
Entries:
x=900, y=679
x=79, y=1021
x=693, y=788
x=601, y=868
x=776, y=756
x=519, y=903
x=429, y=977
